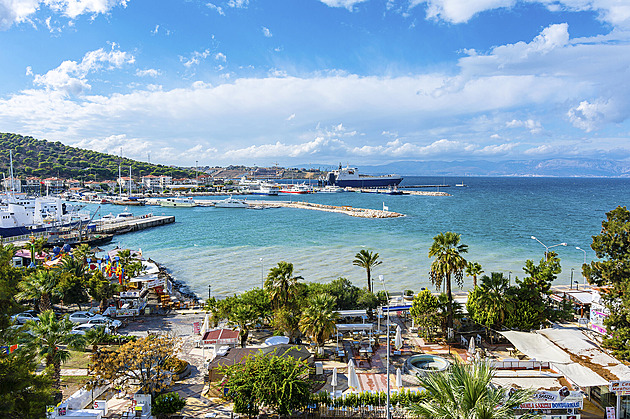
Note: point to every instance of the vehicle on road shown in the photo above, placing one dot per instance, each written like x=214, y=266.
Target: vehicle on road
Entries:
x=85, y=316
x=22, y=318
x=106, y=321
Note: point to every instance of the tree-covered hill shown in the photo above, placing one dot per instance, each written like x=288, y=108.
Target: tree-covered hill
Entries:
x=32, y=157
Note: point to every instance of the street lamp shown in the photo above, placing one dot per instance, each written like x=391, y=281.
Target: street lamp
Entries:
x=547, y=247
x=571, y=281
x=579, y=248
x=262, y=274
x=382, y=279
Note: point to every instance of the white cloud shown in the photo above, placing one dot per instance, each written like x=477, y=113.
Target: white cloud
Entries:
x=71, y=76
x=195, y=58
x=219, y=56
x=615, y=12
x=238, y=4
x=19, y=11
x=216, y=8
x=155, y=31
x=535, y=127
x=348, y=4
x=291, y=117
x=150, y=72
x=266, y=32
x=590, y=115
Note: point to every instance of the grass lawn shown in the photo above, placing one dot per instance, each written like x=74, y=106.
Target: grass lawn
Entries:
x=78, y=359
x=72, y=383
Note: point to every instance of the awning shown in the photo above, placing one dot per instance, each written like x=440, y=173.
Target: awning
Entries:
x=352, y=313
x=573, y=340
x=538, y=347
x=354, y=327
x=581, y=296
x=221, y=336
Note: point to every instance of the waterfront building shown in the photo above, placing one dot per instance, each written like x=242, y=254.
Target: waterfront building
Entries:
x=72, y=183
x=32, y=185
x=127, y=183
x=53, y=185
x=12, y=184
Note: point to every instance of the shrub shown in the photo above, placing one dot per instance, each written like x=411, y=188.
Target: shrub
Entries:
x=167, y=404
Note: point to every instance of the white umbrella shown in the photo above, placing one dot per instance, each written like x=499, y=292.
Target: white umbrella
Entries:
x=471, y=346
x=399, y=382
x=334, y=382
x=353, y=378
x=398, y=342
x=204, y=327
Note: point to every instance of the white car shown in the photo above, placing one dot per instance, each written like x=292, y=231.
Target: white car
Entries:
x=106, y=321
x=81, y=329
x=22, y=318
x=85, y=316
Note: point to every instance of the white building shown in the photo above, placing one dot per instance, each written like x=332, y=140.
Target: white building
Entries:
x=12, y=184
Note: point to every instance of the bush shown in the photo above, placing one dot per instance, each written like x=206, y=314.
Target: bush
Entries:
x=175, y=365
x=167, y=404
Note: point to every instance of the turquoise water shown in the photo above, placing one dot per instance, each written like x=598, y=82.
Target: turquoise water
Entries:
x=496, y=217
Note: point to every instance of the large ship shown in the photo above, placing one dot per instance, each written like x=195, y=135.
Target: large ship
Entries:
x=350, y=177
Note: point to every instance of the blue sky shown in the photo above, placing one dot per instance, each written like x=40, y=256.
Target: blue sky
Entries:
x=319, y=81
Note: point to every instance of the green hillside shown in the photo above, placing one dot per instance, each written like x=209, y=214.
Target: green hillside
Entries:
x=32, y=157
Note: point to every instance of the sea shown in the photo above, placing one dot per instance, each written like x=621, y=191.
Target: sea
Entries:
x=226, y=251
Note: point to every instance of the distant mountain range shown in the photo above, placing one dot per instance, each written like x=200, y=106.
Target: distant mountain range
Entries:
x=543, y=168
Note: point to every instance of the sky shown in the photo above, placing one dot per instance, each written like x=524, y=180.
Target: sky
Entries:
x=260, y=82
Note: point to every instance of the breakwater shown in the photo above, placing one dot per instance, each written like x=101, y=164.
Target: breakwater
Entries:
x=347, y=210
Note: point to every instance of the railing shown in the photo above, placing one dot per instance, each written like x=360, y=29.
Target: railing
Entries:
x=23, y=237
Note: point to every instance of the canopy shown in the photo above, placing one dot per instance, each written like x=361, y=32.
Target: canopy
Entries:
x=537, y=346
x=352, y=327
x=221, y=336
x=352, y=313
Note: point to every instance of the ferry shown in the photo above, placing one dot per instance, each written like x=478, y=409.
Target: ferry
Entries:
x=350, y=177
x=302, y=188
x=25, y=215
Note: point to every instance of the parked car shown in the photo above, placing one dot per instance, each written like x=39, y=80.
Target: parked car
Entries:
x=85, y=316
x=22, y=318
x=106, y=321
x=82, y=328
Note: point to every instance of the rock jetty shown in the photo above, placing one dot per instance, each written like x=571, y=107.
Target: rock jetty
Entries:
x=351, y=211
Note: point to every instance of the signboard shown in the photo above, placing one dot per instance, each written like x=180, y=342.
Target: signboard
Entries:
x=619, y=386
x=196, y=329
x=155, y=283
x=130, y=294
x=551, y=405
x=562, y=399
x=610, y=413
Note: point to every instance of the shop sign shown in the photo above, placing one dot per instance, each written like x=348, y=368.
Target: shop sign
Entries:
x=619, y=385
x=610, y=413
x=551, y=405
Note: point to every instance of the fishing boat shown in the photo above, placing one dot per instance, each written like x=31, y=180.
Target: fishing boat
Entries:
x=178, y=202
x=231, y=203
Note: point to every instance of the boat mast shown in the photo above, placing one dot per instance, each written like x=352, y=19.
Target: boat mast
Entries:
x=11, y=173
x=119, y=176
x=129, y=194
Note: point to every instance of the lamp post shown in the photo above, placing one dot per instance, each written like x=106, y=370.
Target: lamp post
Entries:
x=382, y=279
x=209, y=291
x=579, y=248
x=547, y=247
x=262, y=275
x=571, y=282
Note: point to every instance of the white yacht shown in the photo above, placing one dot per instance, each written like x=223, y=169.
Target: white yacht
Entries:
x=231, y=203
x=178, y=202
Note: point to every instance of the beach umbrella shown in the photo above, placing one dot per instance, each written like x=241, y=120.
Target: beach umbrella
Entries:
x=206, y=323
x=398, y=342
x=471, y=346
x=353, y=378
x=335, y=381
x=399, y=382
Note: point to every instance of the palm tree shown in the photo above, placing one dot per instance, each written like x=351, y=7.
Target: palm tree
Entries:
x=95, y=336
x=281, y=284
x=448, y=263
x=318, y=318
x=243, y=316
x=474, y=269
x=491, y=301
x=367, y=260
x=465, y=392
x=49, y=335
x=39, y=285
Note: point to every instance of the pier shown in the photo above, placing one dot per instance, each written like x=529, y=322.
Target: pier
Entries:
x=133, y=224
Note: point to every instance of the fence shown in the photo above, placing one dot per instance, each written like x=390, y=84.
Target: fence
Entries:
x=375, y=412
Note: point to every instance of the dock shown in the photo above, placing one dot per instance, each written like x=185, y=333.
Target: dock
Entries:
x=133, y=224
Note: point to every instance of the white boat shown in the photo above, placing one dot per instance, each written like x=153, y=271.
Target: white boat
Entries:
x=301, y=188
x=331, y=189
x=461, y=185
x=231, y=203
x=111, y=218
x=178, y=202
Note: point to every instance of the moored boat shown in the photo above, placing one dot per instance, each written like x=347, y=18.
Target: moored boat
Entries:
x=178, y=202
x=231, y=203
x=350, y=177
